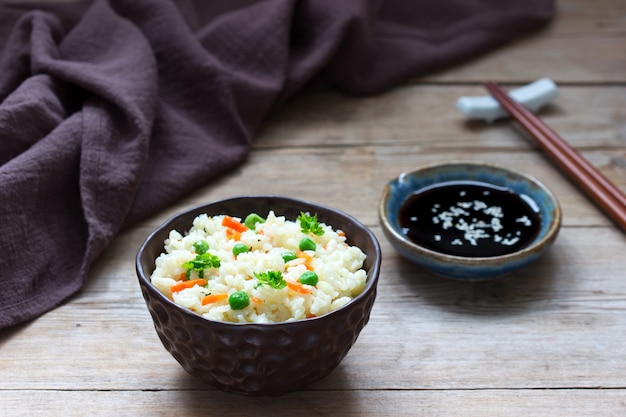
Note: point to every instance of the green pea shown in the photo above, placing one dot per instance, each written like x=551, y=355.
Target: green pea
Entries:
x=288, y=256
x=308, y=278
x=240, y=248
x=307, y=244
x=201, y=246
x=252, y=219
x=239, y=300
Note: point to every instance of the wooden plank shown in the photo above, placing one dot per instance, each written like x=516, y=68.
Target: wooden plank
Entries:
x=584, y=18
x=337, y=177
x=592, y=61
x=581, y=45
x=424, y=403
x=555, y=324
x=546, y=341
x=426, y=115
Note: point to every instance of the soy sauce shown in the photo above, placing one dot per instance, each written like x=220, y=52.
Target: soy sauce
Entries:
x=470, y=218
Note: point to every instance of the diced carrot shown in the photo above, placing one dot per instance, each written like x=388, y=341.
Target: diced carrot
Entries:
x=233, y=234
x=181, y=276
x=341, y=233
x=213, y=298
x=310, y=316
x=256, y=300
x=181, y=285
x=297, y=287
x=302, y=254
x=307, y=259
x=233, y=223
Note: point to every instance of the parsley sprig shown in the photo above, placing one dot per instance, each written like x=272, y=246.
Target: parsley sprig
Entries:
x=310, y=224
x=272, y=278
x=201, y=262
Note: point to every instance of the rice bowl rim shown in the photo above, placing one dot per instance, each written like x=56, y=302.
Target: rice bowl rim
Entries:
x=191, y=213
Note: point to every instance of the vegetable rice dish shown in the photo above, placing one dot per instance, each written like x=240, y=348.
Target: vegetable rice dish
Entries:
x=259, y=270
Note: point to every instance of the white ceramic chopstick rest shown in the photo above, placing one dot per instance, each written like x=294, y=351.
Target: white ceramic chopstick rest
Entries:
x=533, y=96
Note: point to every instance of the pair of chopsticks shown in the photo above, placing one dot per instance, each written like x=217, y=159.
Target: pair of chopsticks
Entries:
x=597, y=187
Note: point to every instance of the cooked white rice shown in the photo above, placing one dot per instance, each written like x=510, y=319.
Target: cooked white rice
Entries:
x=337, y=265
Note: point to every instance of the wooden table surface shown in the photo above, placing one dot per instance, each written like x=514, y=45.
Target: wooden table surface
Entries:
x=549, y=340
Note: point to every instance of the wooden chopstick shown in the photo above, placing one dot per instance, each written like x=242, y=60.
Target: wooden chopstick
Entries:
x=597, y=187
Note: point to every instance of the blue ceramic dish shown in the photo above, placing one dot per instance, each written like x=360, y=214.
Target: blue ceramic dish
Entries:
x=469, y=268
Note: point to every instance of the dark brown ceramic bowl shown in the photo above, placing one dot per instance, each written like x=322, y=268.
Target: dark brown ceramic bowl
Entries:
x=259, y=358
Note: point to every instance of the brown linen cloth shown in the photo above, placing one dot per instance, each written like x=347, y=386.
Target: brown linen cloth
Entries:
x=111, y=110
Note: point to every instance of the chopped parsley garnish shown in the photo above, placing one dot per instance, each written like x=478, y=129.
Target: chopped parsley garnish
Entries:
x=310, y=224
x=272, y=278
x=200, y=263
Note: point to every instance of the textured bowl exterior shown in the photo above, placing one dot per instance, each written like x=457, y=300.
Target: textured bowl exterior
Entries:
x=259, y=358
x=468, y=268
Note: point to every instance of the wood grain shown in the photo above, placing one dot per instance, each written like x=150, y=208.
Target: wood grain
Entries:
x=545, y=341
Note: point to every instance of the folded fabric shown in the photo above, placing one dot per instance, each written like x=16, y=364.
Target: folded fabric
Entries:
x=100, y=101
